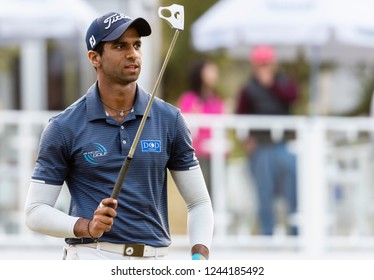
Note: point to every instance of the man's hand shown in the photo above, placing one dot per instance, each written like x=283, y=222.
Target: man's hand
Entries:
x=199, y=252
x=101, y=222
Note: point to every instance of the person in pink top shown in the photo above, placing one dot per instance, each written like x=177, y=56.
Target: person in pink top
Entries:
x=202, y=98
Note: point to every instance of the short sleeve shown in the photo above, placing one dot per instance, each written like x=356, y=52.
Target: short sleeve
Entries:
x=182, y=155
x=52, y=160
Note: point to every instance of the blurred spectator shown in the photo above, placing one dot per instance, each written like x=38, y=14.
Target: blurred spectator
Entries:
x=202, y=98
x=273, y=167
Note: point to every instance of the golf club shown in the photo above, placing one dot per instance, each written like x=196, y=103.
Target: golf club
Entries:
x=175, y=17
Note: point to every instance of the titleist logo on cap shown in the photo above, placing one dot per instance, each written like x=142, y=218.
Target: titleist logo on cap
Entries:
x=111, y=26
x=114, y=18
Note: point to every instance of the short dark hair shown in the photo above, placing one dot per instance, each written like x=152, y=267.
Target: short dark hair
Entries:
x=100, y=48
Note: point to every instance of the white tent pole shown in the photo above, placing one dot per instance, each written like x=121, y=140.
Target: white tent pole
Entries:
x=313, y=80
x=34, y=75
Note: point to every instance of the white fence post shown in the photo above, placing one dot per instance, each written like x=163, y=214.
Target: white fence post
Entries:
x=313, y=191
x=218, y=179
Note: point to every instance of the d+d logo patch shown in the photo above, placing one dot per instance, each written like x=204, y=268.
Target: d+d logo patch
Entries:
x=152, y=146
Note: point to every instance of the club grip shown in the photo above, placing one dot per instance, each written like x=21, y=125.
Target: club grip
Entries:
x=121, y=178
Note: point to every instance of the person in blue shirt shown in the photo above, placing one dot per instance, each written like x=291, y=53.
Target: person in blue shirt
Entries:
x=85, y=146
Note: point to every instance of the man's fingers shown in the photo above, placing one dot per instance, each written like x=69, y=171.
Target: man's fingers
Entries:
x=108, y=202
x=105, y=224
x=103, y=221
x=103, y=217
x=105, y=212
x=97, y=228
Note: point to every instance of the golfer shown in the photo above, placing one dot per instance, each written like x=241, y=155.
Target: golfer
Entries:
x=85, y=146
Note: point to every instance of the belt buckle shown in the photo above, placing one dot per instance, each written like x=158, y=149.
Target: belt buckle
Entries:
x=134, y=250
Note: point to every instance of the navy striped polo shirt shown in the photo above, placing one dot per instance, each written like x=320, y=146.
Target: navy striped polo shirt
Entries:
x=86, y=148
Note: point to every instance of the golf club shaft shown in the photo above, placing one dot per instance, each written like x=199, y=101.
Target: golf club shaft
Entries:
x=125, y=166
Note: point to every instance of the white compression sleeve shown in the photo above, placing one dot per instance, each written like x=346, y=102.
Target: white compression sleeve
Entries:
x=192, y=188
x=42, y=217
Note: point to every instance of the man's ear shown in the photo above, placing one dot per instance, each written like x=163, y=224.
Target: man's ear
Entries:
x=94, y=58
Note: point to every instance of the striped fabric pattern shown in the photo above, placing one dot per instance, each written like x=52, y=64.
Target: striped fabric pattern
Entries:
x=85, y=148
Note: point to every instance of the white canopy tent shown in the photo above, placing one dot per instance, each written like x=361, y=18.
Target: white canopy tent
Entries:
x=338, y=28
x=44, y=18
x=331, y=30
x=29, y=23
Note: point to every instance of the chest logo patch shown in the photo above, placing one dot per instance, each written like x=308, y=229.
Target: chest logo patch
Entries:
x=97, y=151
x=152, y=146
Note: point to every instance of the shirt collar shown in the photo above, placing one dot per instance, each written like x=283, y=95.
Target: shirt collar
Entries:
x=141, y=101
x=95, y=109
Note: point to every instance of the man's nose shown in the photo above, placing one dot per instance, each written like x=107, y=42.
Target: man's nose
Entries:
x=132, y=53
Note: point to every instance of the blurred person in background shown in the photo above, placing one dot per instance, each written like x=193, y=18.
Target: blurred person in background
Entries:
x=272, y=165
x=202, y=98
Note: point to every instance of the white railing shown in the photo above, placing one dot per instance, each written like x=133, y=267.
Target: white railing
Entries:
x=334, y=167
x=321, y=146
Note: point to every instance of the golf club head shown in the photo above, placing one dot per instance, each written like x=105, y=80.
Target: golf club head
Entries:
x=174, y=15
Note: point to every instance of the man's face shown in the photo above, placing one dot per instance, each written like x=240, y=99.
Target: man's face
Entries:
x=265, y=73
x=121, y=59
